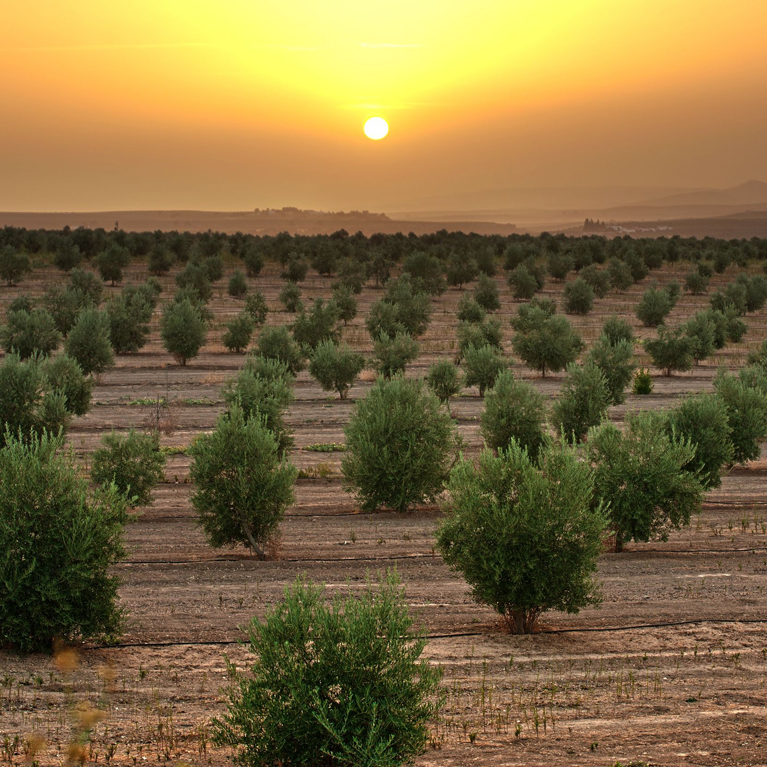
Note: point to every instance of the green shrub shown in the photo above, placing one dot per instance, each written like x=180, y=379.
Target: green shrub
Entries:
x=427, y=269
x=133, y=462
x=523, y=533
x=582, y=402
x=543, y=340
x=183, y=330
x=579, y=297
x=746, y=413
x=238, y=285
x=696, y=283
x=335, y=368
x=444, y=380
x=643, y=383
x=13, y=265
x=560, y=265
x=352, y=276
x=253, y=260
x=29, y=405
x=88, y=342
x=196, y=279
x=514, y=410
x=255, y=306
x=392, y=355
x=295, y=270
x=63, y=375
x=111, y=262
x=640, y=476
x=129, y=317
x=616, y=361
x=290, y=297
x=345, y=302
x=460, y=269
x=262, y=389
x=703, y=420
x=57, y=545
x=88, y=284
x=319, y=324
x=598, y=279
x=64, y=304
x=654, y=307
x=412, y=304
x=621, y=277
x=671, y=350
x=734, y=295
x=67, y=256
x=485, y=333
x=29, y=333
x=399, y=446
x=382, y=322
x=701, y=332
x=160, y=260
x=238, y=333
x=242, y=486
x=486, y=293
x=482, y=365
x=616, y=329
x=276, y=343
x=343, y=680
x=469, y=310
x=522, y=282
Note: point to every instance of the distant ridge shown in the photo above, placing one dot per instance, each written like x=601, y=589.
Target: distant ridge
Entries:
x=750, y=192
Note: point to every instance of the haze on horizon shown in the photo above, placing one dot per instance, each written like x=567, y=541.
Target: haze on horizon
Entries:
x=230, y=105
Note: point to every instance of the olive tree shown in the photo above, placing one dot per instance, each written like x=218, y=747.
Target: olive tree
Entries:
x=746, y=413
x=524, y=533
x=543, y=340
x=640, y=472
x=671, y=350
x=399, y=446
x=482, y=366
x=13, y=265
x=183, y=330
x=514, y=410
x=58, y=543
x=335, y=367
x=29, y=332
x=616, y=361
x=242, y=486
x=582, y=402
x=88, y=342
x=444, y=380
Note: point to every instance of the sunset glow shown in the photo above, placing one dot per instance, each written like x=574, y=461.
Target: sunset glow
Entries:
x=234, y=104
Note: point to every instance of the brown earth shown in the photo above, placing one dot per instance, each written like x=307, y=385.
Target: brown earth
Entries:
x=670, y=670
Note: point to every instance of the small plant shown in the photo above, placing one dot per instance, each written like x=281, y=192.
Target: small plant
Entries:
x=444, y=380
x=335, y=368
x=399, y=446
x=523, y=533
x=134, y=463
x=242, y=487
x=326, y=447
x=643, y=383
x=344, y=680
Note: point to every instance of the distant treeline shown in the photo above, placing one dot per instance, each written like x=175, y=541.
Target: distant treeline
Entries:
x=462, y=255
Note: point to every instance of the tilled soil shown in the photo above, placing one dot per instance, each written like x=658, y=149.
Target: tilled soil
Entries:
x=670, y=669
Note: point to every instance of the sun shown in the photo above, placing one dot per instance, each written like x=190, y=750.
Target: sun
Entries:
x=376, y=128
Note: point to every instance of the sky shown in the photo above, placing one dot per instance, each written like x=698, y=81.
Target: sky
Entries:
x=236, y=104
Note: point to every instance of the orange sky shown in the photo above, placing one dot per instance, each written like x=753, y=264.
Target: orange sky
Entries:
x=233, y=104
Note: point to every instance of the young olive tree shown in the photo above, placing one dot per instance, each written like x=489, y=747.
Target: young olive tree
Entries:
x=671, y=350
x=746, y=413
x=13, y=265
x=238, y=333
x=276, y=343
x=335, y=367
x=392, y=355
x=88, y=342
x=399, y=446
x=525, y=534
x=29, y=332
x=242, y=487
x=444, y=380
x=343, y=679
x=514, y=410
x=579, y=297
x=58, y=543
x=543, y=340
x=640, y=473
x=582, y=402
x=183, y=330
x=133, y=462
x=482, y=366
x=616, y=361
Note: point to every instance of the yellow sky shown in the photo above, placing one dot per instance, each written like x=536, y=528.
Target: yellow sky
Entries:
x=242, y=103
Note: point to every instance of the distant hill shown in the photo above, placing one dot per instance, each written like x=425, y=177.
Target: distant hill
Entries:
x=265, y=222
x=751, y=192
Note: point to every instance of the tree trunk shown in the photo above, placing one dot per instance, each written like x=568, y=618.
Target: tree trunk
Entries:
x=253, y=545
